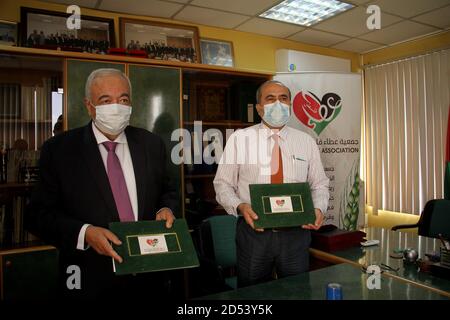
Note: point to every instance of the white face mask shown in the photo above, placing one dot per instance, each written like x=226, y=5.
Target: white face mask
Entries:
x=112, y=118
x=276, y=114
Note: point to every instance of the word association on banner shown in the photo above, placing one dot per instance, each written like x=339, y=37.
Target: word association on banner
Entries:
x=329, y=145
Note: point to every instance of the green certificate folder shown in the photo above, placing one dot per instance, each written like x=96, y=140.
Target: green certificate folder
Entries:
x=282, y=205
x=149, y=246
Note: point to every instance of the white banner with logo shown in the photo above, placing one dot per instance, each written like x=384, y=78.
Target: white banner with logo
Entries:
x=328, y=107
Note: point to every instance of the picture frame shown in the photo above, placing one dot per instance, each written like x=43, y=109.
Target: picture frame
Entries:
x=8, y=33
x=158, y=40
x=210, y=101
x=48, y=30
x=217, y=52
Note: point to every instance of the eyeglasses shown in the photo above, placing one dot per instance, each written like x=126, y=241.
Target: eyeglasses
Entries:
x=388, y=268
x=383, y=267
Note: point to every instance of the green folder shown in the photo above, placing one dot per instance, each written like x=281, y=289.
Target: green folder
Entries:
x=148, y=246
x=282, y=205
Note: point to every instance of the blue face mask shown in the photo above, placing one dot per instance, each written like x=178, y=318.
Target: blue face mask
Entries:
x=277, y=114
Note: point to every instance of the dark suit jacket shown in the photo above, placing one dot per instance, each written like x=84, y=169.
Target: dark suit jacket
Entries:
x=74, y=190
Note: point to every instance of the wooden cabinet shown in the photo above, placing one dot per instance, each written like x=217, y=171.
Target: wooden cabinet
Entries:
x=166, y=96
x=29, y=274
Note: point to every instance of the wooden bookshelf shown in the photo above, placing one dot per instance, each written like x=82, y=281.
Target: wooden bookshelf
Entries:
x=128, y=59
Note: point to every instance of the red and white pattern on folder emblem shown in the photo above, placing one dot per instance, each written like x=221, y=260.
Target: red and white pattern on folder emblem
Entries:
x=152, y=242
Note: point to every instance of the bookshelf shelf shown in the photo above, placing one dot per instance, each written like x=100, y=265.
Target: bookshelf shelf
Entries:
x=236, y=124
x=199, y=176
x=25, y=121
x=129, y=59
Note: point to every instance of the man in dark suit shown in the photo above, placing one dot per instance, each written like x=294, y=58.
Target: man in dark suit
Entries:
x=90, y=176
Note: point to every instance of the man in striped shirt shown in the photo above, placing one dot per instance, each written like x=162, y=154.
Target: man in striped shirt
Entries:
x=270, y=152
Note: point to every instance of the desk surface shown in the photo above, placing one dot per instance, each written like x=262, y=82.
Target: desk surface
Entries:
x=312, y=286
x=390, y=241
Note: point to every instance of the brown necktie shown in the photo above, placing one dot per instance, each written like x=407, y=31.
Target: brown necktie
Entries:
x=276, y=164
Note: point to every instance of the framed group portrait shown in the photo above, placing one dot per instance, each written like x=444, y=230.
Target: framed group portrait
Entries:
x=162, y=41
x=52, y=30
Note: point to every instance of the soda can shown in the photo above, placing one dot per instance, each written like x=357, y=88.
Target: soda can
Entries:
x=334, y=291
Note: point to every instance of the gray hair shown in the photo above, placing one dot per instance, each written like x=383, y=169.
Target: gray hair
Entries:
x=261, y=87
x=103, y=72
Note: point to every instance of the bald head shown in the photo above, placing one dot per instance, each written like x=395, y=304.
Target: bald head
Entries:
x=267, y=83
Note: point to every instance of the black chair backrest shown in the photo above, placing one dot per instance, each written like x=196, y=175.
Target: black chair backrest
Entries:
x=435, y=219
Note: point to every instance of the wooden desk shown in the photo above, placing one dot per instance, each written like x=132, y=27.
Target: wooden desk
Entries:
x=312, y=286
x=405, y=284
x=376, y=255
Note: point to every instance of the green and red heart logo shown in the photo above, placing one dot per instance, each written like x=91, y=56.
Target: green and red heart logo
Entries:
x=152, y=242
x=280, y=203
x=316, y=113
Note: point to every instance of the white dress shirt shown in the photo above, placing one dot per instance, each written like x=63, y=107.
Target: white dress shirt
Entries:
x=123, y=153
x=238, y=168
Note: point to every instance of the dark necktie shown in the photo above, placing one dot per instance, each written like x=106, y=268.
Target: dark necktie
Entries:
x=118, y=184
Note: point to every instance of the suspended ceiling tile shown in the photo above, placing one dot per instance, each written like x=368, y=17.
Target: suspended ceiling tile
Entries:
x=179, y=1
x=269, y=27
x=353, y=23
x=154, y=8
x=398, y=32
x=81, y=3
x=439, y=18
x=357, y=45
x=409, y=8
x=357, y=2
x=250, y=7
x=319, y=38
x=210, y=17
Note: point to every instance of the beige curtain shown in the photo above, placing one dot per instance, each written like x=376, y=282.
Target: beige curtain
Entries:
x=406, y=109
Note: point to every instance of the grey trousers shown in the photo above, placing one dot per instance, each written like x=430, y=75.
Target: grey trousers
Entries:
x=260, y=253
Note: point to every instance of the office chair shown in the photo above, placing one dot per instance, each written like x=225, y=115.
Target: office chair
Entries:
x=218, y=251
x=434, y=220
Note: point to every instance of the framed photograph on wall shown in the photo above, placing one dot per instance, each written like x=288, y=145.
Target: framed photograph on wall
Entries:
x=8, y=33
x=48, y=30
x=217, y=52
x=162, y=41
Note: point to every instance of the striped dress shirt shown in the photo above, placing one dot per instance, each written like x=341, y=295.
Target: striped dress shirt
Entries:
x=246, y=160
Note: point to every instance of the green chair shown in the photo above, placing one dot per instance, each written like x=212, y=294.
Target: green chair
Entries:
x=218, y=250
x=434, y=220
